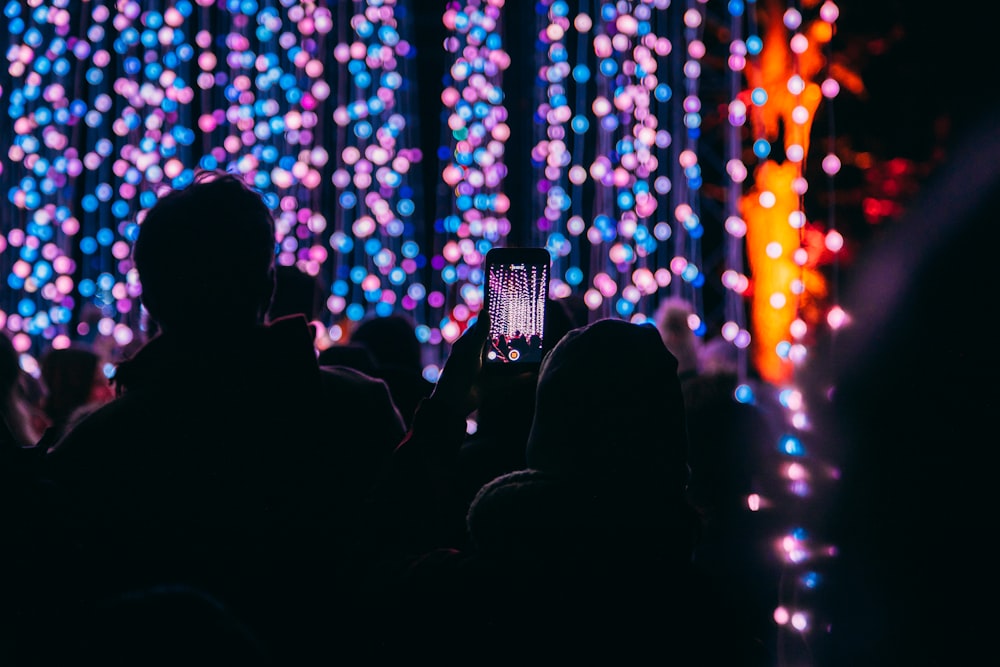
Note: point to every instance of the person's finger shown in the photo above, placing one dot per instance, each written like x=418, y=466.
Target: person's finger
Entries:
x=471, y=341
x=482, y=324
x=461, y=369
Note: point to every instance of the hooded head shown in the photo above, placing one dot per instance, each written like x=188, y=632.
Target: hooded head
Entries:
x=609, y=405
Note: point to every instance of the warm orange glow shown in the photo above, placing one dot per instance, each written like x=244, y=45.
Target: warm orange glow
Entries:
x=775, y=275
x=848, y=79
x=774, y=302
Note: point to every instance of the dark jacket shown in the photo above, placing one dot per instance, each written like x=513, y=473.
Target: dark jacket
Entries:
x=237, y=468
x=584, y=557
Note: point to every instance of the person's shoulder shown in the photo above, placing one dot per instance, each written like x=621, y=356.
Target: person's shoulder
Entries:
x=101, y=428
x=356, y=391
x=346, y=376
x=87, y=439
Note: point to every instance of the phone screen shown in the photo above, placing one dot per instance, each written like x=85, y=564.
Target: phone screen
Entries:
x=516, y=294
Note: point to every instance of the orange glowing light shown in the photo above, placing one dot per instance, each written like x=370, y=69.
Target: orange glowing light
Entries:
x=783, y=289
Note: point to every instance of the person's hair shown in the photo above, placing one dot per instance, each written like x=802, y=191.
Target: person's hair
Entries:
x=15, y=409
x=392, y=340
x=68, y=375
x=206, y=252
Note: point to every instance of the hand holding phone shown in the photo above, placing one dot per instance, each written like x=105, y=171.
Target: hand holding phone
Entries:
x=516, y=290
x=454, y=386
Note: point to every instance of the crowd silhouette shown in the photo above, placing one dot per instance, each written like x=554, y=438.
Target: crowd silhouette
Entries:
x=242, y=493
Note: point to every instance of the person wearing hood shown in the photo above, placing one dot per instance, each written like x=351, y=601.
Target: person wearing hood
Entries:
x=586, y=554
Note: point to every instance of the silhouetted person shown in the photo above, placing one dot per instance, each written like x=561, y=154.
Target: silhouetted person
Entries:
x=727, y=441
x=671, y=320
x=504, y=412
x=586, y=554
x=392, y=342
x=505, y=409
x=21, y=412
x=230, y=461
x=73, y=379
x=31, y=543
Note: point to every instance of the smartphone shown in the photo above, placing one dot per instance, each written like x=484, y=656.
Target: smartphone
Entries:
x=516, y=293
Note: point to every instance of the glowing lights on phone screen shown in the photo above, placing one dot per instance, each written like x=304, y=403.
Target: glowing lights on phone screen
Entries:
x=518, y=292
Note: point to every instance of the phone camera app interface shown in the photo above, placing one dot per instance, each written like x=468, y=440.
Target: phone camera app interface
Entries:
x=517, y=312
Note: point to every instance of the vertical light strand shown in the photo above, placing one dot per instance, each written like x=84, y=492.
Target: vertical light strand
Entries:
x=377, y=258
x=552, y=158
x=687, y=259
x=153, y=132
x=634, y=159
x=834, y=241
x=164, y=88
x=796, y=547
x=785, y=278
x=38, y=253
x=784, y=249
x=604, y=247
x=73, y=248
x=805, y=101
x=769, y=241
x=571, y=270
x=473, y=211
x=278, y=143
x=602, y=230
x=734, y=278
x=669, y=143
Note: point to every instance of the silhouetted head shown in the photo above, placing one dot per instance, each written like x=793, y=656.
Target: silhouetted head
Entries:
x=205, y=255
x=72, y=377
x=609, y=402
x=392, y=340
